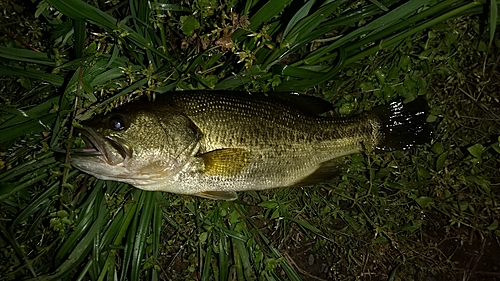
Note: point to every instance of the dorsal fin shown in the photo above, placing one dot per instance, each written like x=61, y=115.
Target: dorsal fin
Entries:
x=308, y=104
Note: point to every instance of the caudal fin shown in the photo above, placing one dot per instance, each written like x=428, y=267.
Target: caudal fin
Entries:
x=403, y=125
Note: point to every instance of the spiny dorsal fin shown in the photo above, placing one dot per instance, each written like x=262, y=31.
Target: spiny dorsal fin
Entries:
x=218, y=195
x=325, y=171
x=226, y=162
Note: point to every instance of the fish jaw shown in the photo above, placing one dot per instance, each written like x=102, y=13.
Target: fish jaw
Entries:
x=108, y=149
x=157, y=179
x=102, y=157
x=100, y=169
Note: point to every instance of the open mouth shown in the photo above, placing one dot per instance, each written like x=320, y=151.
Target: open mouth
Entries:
x=109, y=149
x=90, y=147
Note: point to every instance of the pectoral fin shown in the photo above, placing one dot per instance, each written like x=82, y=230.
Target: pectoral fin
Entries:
x=225, y=162
x=218, y=195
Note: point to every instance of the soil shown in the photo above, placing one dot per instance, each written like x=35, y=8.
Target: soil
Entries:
x=468, y=257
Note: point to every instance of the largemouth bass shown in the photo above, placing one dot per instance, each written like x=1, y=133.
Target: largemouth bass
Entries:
x=212, y=144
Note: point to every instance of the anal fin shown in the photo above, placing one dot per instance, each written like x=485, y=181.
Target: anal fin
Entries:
x=218, y=195
x=326, y=171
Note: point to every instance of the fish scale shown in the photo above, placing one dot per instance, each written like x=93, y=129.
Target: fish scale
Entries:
x=212, y=144
x=226, y=117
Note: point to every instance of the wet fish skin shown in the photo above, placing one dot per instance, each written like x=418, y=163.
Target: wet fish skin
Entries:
x=212, y=144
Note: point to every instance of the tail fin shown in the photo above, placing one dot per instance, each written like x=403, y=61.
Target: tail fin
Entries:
x=403, y=125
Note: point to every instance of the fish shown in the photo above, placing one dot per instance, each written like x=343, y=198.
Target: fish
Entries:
x=213, y=144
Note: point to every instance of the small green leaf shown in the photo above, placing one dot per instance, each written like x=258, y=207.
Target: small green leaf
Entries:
x=62, y=214
x=437, y=148
x=381, y=74
x=305, y=224
x=493, y=225
x=431, y=118
x=482, y=47
x=405, y=63
x=276, y=214
x=424, y=201
x=203, y=237
x=483, y=183
x=189, y=24
x=269, y=204
x=476, y=150
x=42, y=7
x=423, y=173
x=440, y=161
x=463, y=205
x=347, y=108
x=366, y=86
x=450, y=38
x=496, y=147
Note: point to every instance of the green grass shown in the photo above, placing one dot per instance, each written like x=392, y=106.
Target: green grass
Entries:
x=396, y=216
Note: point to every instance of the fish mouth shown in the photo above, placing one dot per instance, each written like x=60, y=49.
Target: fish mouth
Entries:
x=109, y=149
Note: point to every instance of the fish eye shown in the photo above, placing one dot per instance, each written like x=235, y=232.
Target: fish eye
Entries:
x=117, y=123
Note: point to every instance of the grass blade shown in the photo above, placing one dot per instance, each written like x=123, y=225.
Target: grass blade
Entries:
x=380, y=5
x=207, y=264
x=131, y=235
x=245, y=259
x=382, y=22
x=147, y=201
x=306, y=25
x=493, y=19
x=125, y=91
x=79, y=252
x=123, y=223
x=31, y=73
x=301, y=13
x=9, y=189
x=80, y=10
x=86, y=221
x=268, y=11
x=223, y=258
x=80, y=35
x=26, y=56
x=44, y=160
x=413, y=31
x=10, y=238
x=299, y=85
x=38, y=203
